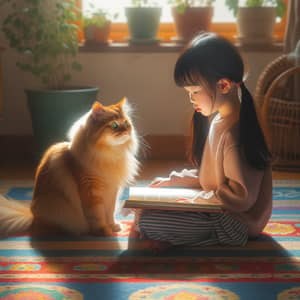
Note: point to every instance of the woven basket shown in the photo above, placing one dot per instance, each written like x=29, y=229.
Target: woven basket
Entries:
x=279, y=113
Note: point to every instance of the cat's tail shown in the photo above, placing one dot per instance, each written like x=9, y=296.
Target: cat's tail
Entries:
x=15, y=217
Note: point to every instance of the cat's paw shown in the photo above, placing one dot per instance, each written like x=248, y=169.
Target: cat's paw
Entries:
x=107, y=231
x=103, y=231
x=115, y=227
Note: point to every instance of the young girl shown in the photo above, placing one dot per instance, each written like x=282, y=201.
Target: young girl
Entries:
x=227, y=148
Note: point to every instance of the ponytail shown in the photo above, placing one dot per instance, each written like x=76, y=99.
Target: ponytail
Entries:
x=251, y=136
x=199, y=132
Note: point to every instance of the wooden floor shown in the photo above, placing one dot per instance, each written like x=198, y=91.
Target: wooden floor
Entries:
x=21, y=169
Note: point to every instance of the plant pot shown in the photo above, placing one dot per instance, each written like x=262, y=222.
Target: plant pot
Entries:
x=255, y=25
x=191, y=21
x=97, y=35
x=143, y=23
x=54, y=111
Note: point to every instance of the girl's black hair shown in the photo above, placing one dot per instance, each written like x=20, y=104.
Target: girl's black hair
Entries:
x=207, y=59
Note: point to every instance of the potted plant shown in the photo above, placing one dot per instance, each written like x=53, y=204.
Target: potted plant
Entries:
x=45, y=35
x=256, y=19
x=191, y=17
x=143, y=19
x=96, y=25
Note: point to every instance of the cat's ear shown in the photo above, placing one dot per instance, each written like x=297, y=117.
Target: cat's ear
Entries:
x=125, y=105
x=97, y=106
x=122, y=102
x=97, y=110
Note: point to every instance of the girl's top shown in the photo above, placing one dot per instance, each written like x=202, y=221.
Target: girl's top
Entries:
x=246, y=192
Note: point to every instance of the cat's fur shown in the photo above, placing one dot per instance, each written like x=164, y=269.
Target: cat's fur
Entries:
x=77, y=182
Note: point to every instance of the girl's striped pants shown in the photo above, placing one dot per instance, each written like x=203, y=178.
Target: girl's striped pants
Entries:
x=192, y=228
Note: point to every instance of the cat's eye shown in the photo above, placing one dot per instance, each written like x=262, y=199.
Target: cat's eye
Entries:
x=114, y=125
x=195, y=92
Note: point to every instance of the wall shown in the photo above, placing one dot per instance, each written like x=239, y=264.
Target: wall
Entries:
x=145, y=78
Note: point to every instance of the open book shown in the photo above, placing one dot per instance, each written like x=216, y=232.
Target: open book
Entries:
x=171, y=199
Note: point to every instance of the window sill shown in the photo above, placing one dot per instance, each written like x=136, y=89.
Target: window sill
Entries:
x=167, y=47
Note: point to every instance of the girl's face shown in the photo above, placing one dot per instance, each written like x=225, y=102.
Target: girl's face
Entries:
x=201, y=100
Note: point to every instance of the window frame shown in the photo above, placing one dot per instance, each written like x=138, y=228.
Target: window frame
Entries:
x=119, y=31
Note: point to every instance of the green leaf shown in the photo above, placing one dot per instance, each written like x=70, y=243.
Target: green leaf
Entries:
x=67, y=77
x=232, y=5
x=24, y=67
x=45, y=80
x=280, y=8
x=27, y=52
x=39, y=35
x=45, y=68
x=36, y=71
x=254, y=3
x=76, y=66
x=18, y=23
x=181, y=8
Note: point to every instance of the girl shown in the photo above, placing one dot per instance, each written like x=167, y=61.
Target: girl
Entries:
x=227, y=148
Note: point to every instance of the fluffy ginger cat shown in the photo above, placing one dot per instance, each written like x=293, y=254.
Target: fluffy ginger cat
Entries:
x=77, y=182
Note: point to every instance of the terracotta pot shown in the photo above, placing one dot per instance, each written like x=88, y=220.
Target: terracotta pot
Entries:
x=192, y=21
x=97, y=35
x=256, y=24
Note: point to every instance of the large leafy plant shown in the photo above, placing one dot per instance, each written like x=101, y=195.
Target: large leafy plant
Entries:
x=279, y=4
x=45, y=34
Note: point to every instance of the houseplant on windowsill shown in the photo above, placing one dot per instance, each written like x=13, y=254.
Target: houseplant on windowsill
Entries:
x=191, y=17
x=256, y=19
x=45, y=36
x=96, y=25
x=143, y=19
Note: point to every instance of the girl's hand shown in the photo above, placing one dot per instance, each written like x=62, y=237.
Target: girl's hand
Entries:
x=160, y=182
x=178, y=179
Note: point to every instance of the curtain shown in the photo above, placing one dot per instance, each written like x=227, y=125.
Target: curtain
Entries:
x=292, y=32
x=292, y=45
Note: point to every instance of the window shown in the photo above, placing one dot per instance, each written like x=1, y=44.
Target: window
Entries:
x=221, y=12
x=223, y=21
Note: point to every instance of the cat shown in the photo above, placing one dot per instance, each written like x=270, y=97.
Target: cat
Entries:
x=77, y=182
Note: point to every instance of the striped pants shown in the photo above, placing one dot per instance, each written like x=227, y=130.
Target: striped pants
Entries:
x=192, y=228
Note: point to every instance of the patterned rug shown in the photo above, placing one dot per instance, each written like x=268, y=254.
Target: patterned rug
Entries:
x=116, y=268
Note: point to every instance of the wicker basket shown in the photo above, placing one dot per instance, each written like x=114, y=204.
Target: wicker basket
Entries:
x=279, y=113
x=268, y=75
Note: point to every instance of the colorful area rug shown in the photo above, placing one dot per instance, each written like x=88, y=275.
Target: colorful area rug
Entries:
x=116, y=268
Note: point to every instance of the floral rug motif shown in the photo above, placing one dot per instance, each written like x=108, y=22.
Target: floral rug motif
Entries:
x=118, y=268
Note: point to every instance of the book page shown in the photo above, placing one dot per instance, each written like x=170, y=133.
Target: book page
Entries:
x=175, y=195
